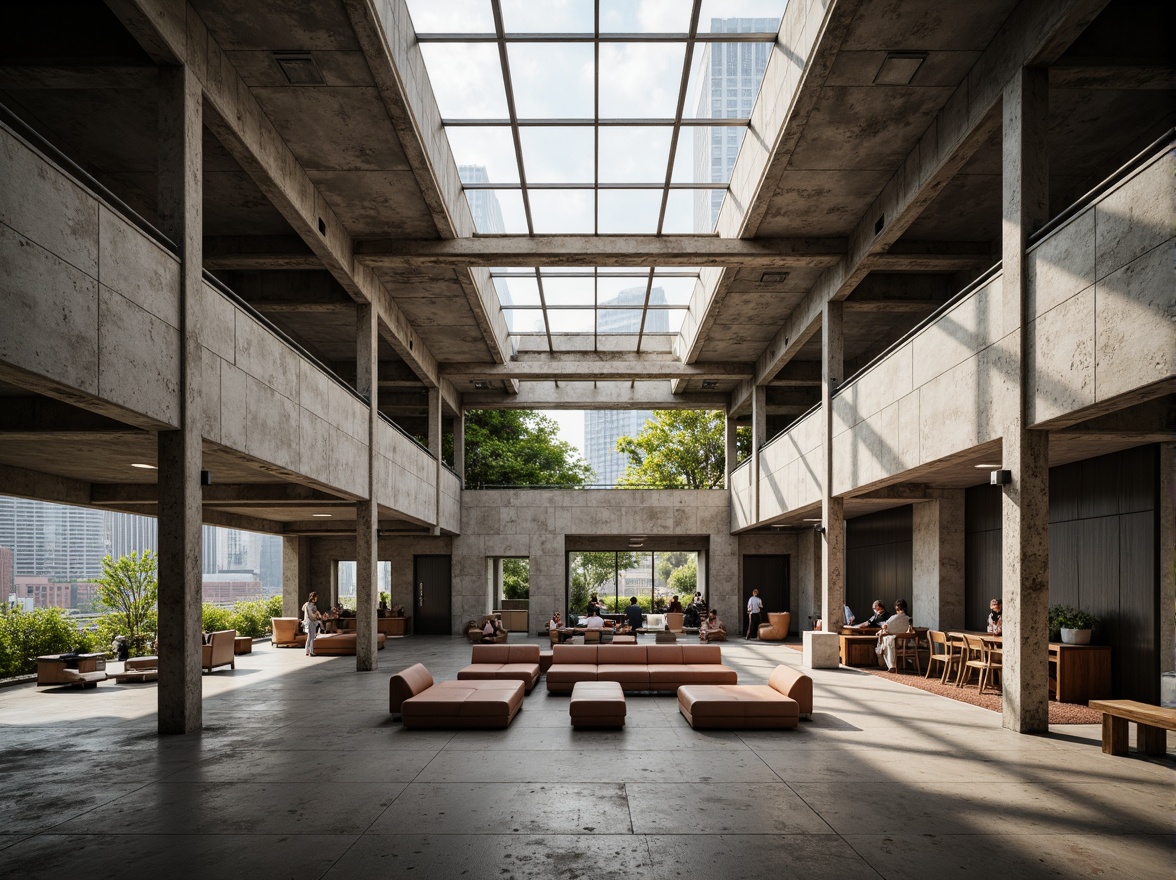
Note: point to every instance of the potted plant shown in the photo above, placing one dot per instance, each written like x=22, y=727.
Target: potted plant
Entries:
x=1073, y=624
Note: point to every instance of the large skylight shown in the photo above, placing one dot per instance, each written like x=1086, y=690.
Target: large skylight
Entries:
x=595, y=117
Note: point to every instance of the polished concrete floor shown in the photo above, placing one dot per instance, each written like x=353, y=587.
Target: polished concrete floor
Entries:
x=301, y=772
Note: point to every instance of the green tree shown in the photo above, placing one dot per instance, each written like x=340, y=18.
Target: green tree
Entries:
x=516, y=579
x=519, y=448
x=129, y=587
x=591, y=571
x=677, y=449
x=27, y=634
x=668, y=563
x=684, y=581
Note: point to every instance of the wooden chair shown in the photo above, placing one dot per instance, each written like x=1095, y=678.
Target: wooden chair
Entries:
x=979, y=657
x=591, y=635
x=945, y=651
x=906, y=650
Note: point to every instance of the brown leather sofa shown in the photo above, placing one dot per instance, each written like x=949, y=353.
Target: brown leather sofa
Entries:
x=287, y=633
x=637, y=667
x=341, y=643
x=476, y=705
x=502, y=663
x=774, y=706
x=776, y=629
x=219, y=650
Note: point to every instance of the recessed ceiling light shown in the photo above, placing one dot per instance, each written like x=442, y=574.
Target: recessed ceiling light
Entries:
x=987, y=467
x=899, y=68
x=146, y=467
x=481, y=384
x=811, y=519
x=321, y=514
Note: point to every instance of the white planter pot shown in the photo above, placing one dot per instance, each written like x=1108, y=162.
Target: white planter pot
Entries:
x=1075, y=636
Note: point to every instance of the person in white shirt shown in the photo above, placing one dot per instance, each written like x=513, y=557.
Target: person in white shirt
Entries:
x=595, y=621
x=899, y=622
x=555, y=622
x=755, y=606
x=712, y=629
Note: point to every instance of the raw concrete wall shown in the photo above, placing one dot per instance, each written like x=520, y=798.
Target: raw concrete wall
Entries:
x=742, y=514
x=449, y=516
x=263, y=398
x=405, y=475
x=790, y=468
x=90, y=302
x=534, y=524
x=1104, y=297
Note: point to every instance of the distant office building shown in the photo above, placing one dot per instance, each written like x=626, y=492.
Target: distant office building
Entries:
x=230, y=587
x=6, y=581
x=731, y=80
x=127, y=533
x=209, y=541
x=483, y=203
x=52, y=540
x=602, y=428
x=270, y=571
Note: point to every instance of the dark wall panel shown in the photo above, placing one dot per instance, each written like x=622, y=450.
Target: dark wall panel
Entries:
x=1102, y=557
x=878, y=559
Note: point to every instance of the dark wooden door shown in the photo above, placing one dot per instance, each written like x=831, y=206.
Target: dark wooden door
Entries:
x=769, y=575
x=431, y=596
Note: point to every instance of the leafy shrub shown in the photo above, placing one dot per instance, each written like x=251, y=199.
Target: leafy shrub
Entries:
x=214, y=618
x=253, y=618
x=1067, y=617
x=114, y=624
x=27, y=634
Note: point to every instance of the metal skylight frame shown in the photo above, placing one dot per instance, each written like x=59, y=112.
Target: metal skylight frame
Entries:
x=690, y=40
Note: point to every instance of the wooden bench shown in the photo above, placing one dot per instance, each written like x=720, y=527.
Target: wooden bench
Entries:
x=1152, y=722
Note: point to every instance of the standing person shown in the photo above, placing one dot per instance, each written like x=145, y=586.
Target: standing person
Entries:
x=633, y=614
x=310, y=620
x=712, y=629
x=755, y=606
x=994, y=623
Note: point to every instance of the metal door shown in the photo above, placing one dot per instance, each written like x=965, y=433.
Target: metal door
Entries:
x=431, y=596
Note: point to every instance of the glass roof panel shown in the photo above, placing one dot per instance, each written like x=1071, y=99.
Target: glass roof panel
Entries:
x=557, y=155
x=640, y=80
x=764, y=16
x=675, y=291
x=488, y=147
x=555, y=211
x=665, y=320
x=622, y=290
x=627, y=17
x=451, y=17
x=523, y=321
x=634, y=211
x=549, y=17
x=497, y=211
x=552, y=80
x=565, y=291
x=466, y=79
x=517, y=291
x=572, y=320
x=690, y=211
x=634, y=154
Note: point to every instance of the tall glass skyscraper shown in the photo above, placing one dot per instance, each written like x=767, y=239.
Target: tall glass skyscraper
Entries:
x=52, y=540
x=733, y=72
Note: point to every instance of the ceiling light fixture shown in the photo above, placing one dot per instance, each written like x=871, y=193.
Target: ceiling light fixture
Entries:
x=146, y=467
x=317, y=515
x=811, y=519
x=481, y=384
x=300, y=68
x=773, y=277
x=710, y=384
x=987, y=467
x=899, y=68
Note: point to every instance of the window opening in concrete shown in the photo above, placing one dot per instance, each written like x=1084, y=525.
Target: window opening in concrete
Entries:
x=615, y=576
x=345, y=584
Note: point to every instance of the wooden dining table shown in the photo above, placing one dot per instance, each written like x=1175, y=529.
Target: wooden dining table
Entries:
x=1077, y=673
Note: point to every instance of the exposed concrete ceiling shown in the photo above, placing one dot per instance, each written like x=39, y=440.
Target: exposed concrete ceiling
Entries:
x=74, y=73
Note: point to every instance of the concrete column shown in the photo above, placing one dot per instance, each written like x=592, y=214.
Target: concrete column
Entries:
x=732, y=449
x=832, y=509
x=434, y=439
x=180, y=506
x=459, y=445
x=366, y=515
x=808, y=577
x=937, y=551
x=295, y=574
x=759, y=430
x=1025, y=505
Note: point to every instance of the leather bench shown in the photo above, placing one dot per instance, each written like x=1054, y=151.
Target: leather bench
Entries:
x=474, y=705
x=775, y=706
x=335, y=644
x=503, y=663
x=597, y=704
x=637, y=667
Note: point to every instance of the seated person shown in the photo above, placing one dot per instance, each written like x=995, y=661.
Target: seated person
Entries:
x=876, y=619
x=383, y=611
x=492, y=629
x=675, y=606
x=712, y=629
x=994, y=622
x=633, y=616
x=594, y=621
x=555, y=622
x=594, y=606
x=899, y=622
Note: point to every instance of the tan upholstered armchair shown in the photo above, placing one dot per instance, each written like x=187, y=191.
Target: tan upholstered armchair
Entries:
x=287, y=633
x=776, y=629
x=674, y=621
x=474, y=633
x=219, y=650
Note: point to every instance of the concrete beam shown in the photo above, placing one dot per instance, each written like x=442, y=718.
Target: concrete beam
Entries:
x=77, y=76
x=249, y=253
x=166, y=28
x=220, y=494
x=584, y=367
x=24, y=483
x=601, y=250
x=897, y=492
x=591, y=395
x=1116, y=77
x=1036, y=34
